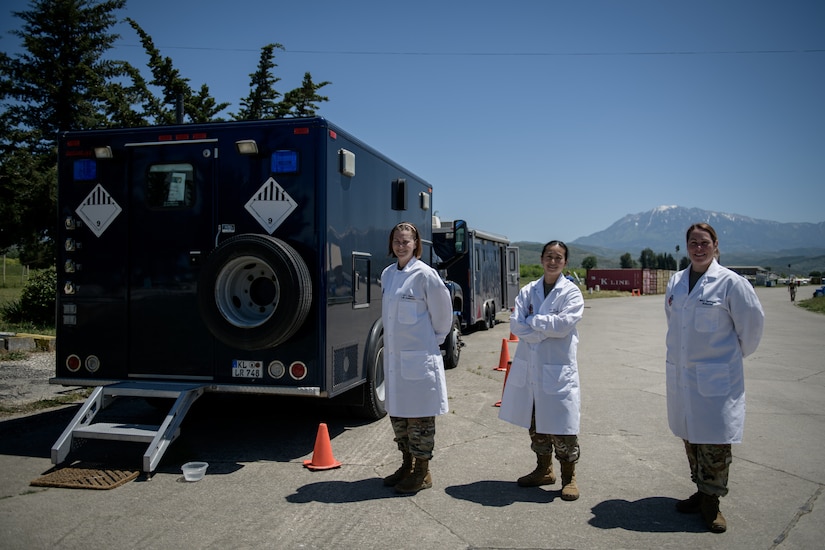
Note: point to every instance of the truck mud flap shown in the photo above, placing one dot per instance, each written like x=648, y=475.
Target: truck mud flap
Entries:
x=254, y=292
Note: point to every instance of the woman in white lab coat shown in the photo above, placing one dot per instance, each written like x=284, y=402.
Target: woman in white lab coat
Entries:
x=542, y=388
x=417, y=314
x=714, y=319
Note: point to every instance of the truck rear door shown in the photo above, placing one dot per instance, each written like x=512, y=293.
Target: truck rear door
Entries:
x=171, y=230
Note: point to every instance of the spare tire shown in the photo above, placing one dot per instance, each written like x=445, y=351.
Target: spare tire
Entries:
x=254, y=292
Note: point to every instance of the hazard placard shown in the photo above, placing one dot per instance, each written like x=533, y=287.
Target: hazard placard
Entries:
x=271, y=205
x=98, y=210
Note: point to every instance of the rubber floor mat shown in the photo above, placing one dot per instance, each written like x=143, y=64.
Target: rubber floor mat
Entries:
x=82, y=475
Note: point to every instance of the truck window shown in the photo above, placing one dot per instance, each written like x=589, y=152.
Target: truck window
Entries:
x=170, y=186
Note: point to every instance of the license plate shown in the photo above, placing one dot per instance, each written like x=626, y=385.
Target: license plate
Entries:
x=247, y=369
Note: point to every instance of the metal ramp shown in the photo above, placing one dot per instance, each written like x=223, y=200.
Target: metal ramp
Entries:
x=158, y=437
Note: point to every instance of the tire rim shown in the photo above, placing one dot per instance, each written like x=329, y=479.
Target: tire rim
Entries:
x=380, y=387
x=247, y=292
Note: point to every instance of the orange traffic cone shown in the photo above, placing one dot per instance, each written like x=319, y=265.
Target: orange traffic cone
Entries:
x=506, y=374
x=322, y=458
x=504, y=359
x=513, y=337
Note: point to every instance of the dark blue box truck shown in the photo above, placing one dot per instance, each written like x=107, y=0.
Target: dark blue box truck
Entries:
x=239, y=257
x=485, y=267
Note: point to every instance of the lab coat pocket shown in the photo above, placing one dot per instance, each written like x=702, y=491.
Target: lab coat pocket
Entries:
x=518, y=373
x=556, y=378
x=713, y=379
x=706, y=319
x=418, y=365
x=407, y=312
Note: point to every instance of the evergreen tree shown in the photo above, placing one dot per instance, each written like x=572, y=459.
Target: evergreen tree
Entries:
x=261, y=102
x=174, y=88
x=626, y=260
x=204, y=108
x=59, y=81
x=165, y=76
x=647, y=259
x=665, y=261
x=302, y=101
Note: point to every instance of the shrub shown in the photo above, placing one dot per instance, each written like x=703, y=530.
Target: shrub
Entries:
x=11, y=312
x=38, y=298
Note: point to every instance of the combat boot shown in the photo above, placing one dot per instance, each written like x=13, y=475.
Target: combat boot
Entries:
x=402, y=472
x=691, y=505
x=542, y=475
x=419, y=478
x=569, y=489
x=714, y=519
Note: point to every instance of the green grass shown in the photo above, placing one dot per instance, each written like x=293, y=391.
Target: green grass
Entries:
x=817, y=305
x=12, y=280
x=12, y=274
x=9, y=295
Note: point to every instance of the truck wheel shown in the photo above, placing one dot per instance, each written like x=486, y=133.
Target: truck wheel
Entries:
x=484, y=322
x=374, y=399
x=491, y=320
x=254, y=292
x=452, y=345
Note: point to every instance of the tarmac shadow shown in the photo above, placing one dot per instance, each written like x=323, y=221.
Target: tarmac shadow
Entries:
x=33, y=435
x=647, y=515
x=342, y=492
x=500, y=493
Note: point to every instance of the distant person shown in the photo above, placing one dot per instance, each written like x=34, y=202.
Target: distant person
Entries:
x=417, y=314
x=542, y=389
x=792, y=289
x=714, y=319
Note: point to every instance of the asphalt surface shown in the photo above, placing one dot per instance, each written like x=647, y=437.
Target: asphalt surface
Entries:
x=257, y=494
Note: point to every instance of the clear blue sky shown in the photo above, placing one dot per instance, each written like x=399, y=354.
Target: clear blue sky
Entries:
x=540, y=119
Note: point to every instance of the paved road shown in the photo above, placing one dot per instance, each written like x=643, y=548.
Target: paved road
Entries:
x=256, y=493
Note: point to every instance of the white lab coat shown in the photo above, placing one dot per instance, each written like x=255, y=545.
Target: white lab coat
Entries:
x=709, y=331
x=417, y=314
x=544, y=372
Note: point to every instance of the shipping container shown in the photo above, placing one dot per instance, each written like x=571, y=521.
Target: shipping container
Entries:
x=645, y=281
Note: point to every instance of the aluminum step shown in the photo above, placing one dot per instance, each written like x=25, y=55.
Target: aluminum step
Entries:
x=141, y=433
x=83, y=425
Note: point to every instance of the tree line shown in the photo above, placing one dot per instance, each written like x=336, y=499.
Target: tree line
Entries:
x=64, y=80
x=648, y=259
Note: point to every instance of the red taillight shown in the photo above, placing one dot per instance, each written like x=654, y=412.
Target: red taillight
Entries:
x=73, y=363
x=300, y=131
x=298, y=370
x=333, y=135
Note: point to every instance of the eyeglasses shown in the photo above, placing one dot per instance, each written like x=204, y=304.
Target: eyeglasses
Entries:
x=549, y=258
x=402, y=243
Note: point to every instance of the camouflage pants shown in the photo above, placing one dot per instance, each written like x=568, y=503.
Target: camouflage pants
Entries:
x=709, y=467
x=415, y=435
x=566, y=446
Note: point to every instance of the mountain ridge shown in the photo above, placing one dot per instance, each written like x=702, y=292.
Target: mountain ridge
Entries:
x=743, y=240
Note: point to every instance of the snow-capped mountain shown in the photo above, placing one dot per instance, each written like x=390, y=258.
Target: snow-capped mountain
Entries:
x=663, y=228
